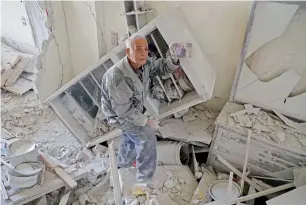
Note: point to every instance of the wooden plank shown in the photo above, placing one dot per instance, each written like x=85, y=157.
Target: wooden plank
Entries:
x=246, y=158
x=201, y=192
x=263, y=193
x=272, y=178
x=20, y=86
x=110, y=135
x=230, y=185
x=6, y=72
x=64, y=199
x=42, y=175
x=236, y=171
x=58, y=170
x=29, y=194
x=17, y=70
x=115, y=174
x=68, y=179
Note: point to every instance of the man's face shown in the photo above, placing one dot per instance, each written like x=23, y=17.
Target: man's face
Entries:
x=138, y=54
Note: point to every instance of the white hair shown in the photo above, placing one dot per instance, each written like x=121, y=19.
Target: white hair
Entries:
x=129, y=42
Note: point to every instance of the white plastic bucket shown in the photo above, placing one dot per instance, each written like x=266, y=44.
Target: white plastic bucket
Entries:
x=172, y=153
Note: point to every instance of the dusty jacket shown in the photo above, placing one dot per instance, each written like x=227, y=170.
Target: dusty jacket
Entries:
x=123, y=94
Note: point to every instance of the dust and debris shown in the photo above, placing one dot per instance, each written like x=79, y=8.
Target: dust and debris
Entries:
x=27, y=118
x=194, y=126
x=268, y=127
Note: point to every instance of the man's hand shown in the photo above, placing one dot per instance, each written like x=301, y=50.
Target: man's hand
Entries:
x=154, y=124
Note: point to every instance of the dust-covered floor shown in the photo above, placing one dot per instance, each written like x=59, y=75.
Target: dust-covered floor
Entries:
x=26, y=117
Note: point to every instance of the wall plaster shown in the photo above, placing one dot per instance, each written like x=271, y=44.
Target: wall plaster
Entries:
x=276, y=69
x=55, y=68
x=80, y=34
x=14, y=22
x=258, y=92
x=266, y=14
x=284, y=53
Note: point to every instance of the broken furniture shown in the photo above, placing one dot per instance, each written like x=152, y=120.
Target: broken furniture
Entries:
x=268, y=152
x=52, y=182
x=193, y=126
x=270, y=76
x=78, y=102
x=18, y=67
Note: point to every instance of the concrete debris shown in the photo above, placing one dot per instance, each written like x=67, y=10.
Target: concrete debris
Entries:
x=279, y=129
x=14, y=66
x=195, y=126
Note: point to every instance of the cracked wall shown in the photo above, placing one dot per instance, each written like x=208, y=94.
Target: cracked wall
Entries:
x=81, y=29
x=219, y=28
x=80, y=34
x=55, y=67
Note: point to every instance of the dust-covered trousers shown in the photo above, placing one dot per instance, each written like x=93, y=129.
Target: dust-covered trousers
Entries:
x=138, y=142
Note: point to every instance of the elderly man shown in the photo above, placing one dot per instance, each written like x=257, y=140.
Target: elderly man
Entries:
x=124, y=89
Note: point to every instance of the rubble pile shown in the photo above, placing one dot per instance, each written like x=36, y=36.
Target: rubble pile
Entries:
x=270, y=127
x=193, y=125
x=18, y=68
x=173, y=183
